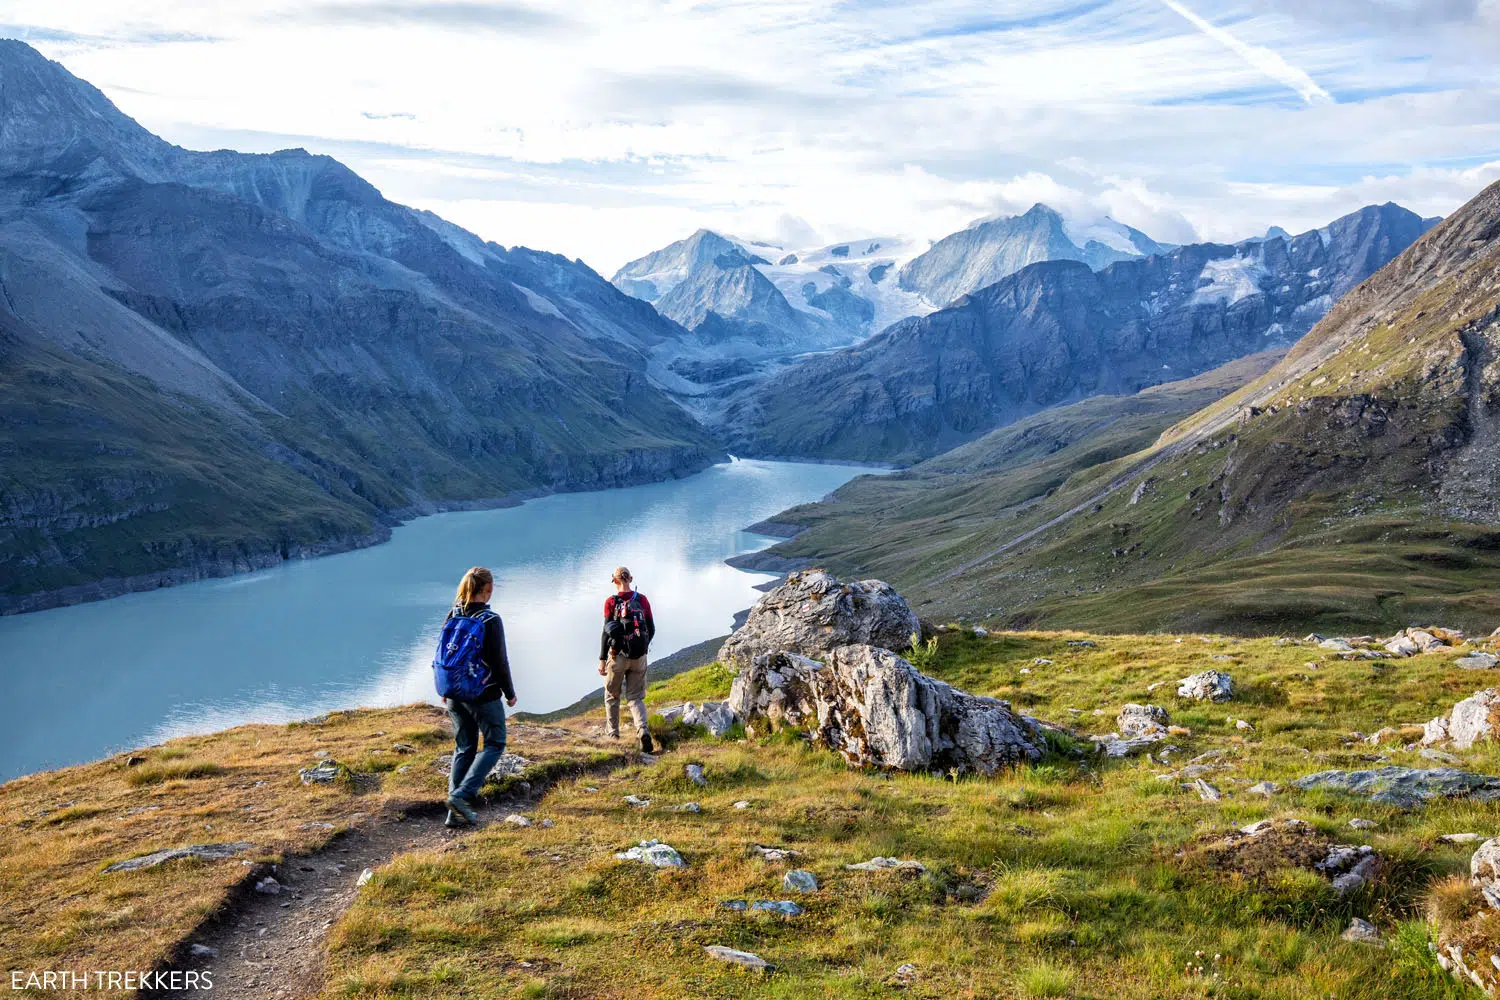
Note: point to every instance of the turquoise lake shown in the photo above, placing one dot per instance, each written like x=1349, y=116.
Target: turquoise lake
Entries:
x=357, y=629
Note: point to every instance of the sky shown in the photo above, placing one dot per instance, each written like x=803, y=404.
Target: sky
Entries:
x=604, y=129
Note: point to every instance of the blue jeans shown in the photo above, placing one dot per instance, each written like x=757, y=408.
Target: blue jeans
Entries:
x=470, y=719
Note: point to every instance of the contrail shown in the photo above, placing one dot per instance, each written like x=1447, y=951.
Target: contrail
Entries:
x=1263, y=59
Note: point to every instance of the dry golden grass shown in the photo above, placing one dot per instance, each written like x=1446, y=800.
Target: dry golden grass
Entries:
x=62, y=828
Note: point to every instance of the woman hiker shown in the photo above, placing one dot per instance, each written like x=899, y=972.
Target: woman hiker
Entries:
x=628, y=630
x=473, y=676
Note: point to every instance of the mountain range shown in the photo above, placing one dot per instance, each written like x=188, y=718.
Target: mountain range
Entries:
x=213, y=361
x=1056, y=332
x=1349, y=487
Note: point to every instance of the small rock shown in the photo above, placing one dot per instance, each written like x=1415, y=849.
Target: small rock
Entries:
x=776, y=853
x=547, y=824
x=637, y=802
x=403, y=748
x=1041, y=661
x=268, y=886
x=881, y=864
x=516, y=819
x=785, y=907
x=1438, y=755
x=653, y=852
x=203, y=951
x=906, y=972
x=1266, y=788
x=1206, y=792
x=1363, y=824
x=715, y=716
x=741, y=958
x=798, y=880
x=1461, y=838
x=1209, y=685
x=736, y=905
x=742, y=804
x=364, y=878
x=1257, y=828
x=1363, y=932
x=1477, y=661
x=321, y=753
x=323, y=774
x=694, y=774
x=1242, y=724
x=1137, y=720
x=1082, y=644
x=687, y=807
x=980, y=631
x=1025, y=671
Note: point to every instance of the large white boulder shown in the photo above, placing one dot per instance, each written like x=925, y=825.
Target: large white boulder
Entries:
x=1473, y=720
x=876, y=709
x=812, y=613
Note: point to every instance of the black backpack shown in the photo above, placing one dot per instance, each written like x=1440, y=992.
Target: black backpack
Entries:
x=627, y=629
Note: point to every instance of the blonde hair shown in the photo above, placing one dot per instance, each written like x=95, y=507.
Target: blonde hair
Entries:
x=475, y=582
x=621, y=575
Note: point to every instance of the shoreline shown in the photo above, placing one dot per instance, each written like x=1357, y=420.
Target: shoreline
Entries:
x=269, y=557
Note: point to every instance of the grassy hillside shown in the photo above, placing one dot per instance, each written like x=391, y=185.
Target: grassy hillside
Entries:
x=1069, y=878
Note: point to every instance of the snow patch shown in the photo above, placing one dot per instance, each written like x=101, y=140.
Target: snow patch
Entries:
x=1229, y=281
x=540, y=303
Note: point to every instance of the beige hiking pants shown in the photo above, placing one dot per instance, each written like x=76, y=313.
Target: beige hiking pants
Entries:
x=630, y=675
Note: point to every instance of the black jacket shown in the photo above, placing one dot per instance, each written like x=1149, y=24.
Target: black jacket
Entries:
x=500, y=685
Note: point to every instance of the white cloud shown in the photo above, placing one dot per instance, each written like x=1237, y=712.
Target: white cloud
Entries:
x=603, y=129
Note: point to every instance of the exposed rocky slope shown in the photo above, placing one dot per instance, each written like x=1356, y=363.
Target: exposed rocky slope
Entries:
x=217, y=360
x=1056, y=332
x=1349, y=485
x=984, y=253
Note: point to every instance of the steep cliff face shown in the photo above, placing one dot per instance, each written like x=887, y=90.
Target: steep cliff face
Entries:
x=1056, y=332
x=216, y=359
x=981, y=255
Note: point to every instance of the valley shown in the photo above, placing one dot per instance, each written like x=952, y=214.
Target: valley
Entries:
x=1343, y=488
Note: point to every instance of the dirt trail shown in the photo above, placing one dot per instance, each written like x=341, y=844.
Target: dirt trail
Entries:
x=266, y=946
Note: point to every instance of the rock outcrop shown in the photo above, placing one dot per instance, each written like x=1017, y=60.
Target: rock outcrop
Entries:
x=812, y=613
x=1406, y=787
x=1472, y=720
x=876, y=709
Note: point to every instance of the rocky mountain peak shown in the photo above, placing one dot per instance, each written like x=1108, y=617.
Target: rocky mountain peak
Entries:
x=54, y=123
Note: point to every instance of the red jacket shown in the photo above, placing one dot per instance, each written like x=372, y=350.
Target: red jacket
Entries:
x=609, y=612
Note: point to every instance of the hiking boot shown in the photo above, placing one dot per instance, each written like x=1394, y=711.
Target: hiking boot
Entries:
x=646, y=745
x=456, y=804
x=454, y=820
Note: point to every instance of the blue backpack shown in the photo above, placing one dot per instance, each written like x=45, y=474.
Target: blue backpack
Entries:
x=458, y=667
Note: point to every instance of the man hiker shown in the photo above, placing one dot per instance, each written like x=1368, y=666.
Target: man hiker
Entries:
x=472, y=673
x=628, y=630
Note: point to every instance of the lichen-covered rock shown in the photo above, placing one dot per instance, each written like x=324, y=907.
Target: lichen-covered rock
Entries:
x=1406, y=787
x=1472, y=720
x=1209, y=685
x=715, y=716
x=1484, y=871
x=876, y=709
x=812, y=613
x=1138, y=720
x=203, y=852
